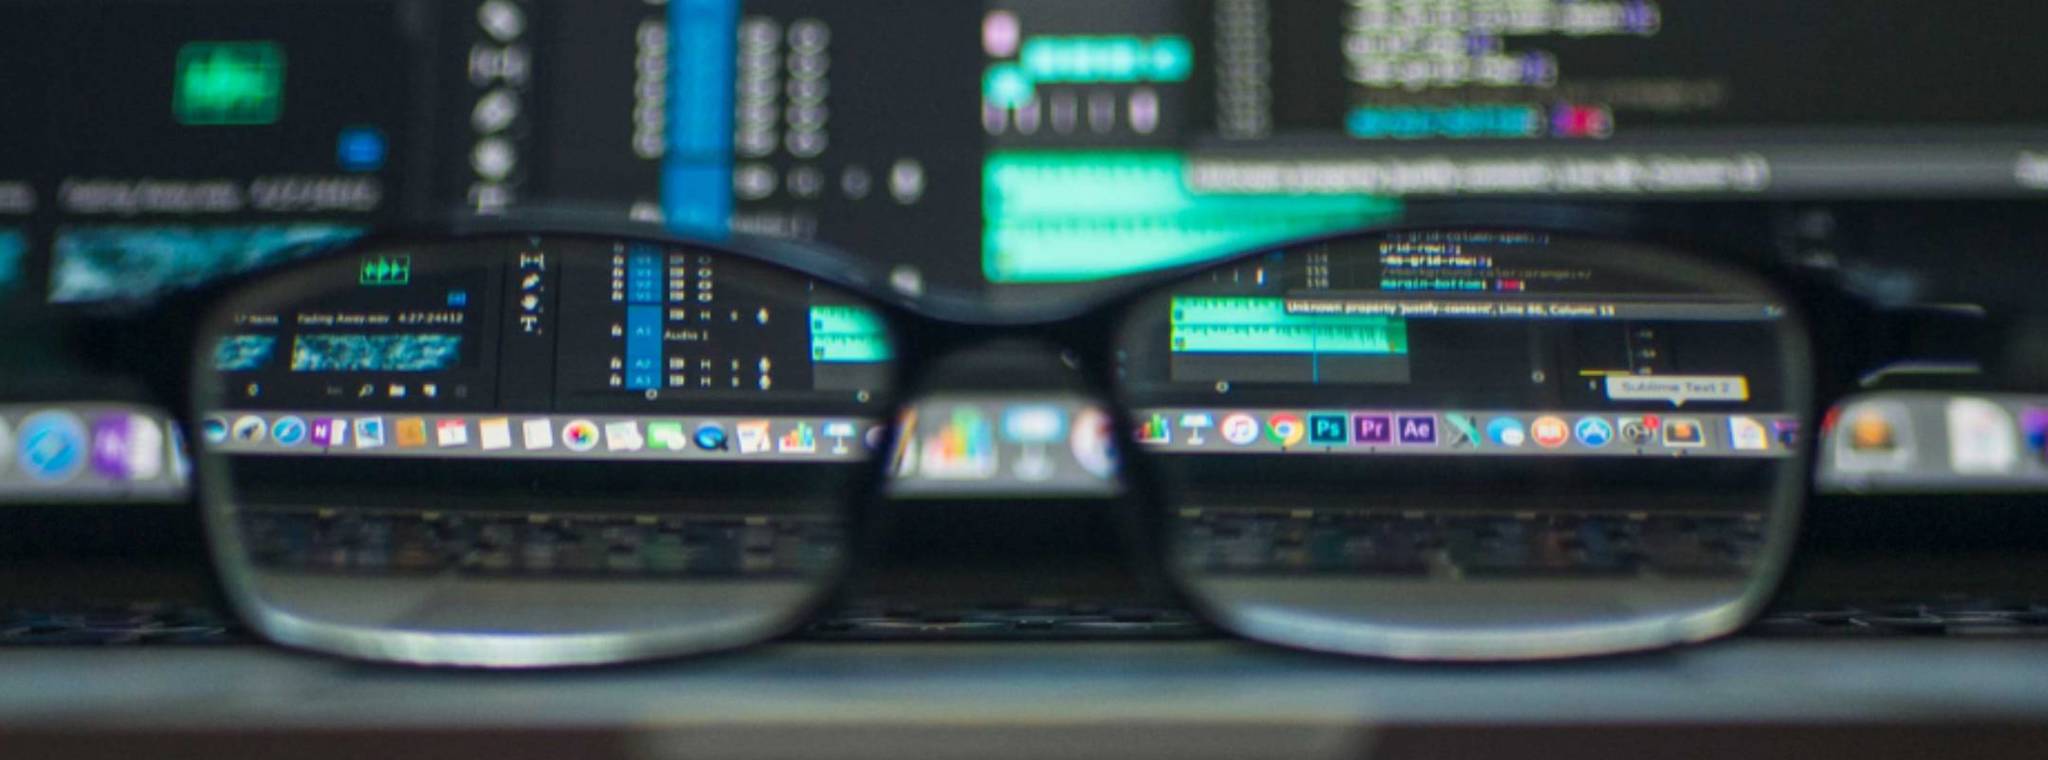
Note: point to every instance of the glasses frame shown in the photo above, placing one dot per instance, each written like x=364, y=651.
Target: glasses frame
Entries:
x=160, y=344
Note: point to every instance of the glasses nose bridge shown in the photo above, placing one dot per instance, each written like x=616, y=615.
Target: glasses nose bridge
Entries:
x=996, y=359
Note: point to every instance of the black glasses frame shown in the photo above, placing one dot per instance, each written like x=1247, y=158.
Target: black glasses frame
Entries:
x=159, y=344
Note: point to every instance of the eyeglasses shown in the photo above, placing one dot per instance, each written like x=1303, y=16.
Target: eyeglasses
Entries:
x=516, y=446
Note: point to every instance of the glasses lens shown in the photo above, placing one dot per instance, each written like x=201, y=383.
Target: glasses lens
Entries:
x=1471, y=444
x=534, y=451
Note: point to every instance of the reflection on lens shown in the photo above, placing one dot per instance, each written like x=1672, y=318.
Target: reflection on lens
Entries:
x=1470, y=444
x=527, y=451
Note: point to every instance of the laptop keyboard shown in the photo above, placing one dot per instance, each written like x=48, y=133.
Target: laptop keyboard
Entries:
x=1949, y=616
x=166, y=623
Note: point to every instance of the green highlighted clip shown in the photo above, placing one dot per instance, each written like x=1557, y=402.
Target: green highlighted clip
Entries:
x=1253, y=324
x=229, y=83
x=380, y=271
x=848, y=334
x=1071, y=216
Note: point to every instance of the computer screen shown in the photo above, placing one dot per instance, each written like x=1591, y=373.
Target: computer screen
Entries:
x=505, y=366
x=539, y=325
x=1415, y=331
x=1004, y=143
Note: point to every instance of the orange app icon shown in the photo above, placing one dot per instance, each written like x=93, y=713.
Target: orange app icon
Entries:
x=411, y=432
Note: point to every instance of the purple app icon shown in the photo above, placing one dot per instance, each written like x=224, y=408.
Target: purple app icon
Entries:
x=324, y=431
x=1787, y=432
x=1417, y=429
x=111, y=436
x=1371, y=429
x=2034, y=425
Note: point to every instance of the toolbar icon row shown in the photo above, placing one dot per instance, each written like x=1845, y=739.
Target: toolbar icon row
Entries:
x=1457, y=430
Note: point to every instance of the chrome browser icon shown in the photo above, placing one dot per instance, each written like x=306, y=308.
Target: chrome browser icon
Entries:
x=1286, y=429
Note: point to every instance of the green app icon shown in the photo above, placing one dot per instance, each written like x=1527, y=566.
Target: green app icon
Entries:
x=229, y=83
x=1464, y=431
x=666, y=436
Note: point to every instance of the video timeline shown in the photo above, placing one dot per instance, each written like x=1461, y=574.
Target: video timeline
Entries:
x=327, y=352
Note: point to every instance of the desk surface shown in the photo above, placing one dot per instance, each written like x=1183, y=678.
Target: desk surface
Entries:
x=1197, y=699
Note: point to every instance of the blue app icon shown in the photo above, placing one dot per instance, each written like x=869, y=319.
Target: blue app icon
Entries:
x=1507, y=432
x=1329, y=429
x=1594, y=431
x=288, y=431
x=1033, y=423
x=51, y=446
x=711, y=437
x=214, y=429
x=360, y=149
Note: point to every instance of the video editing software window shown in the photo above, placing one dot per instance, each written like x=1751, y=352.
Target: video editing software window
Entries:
x=551, y=347
x=1005, y=143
